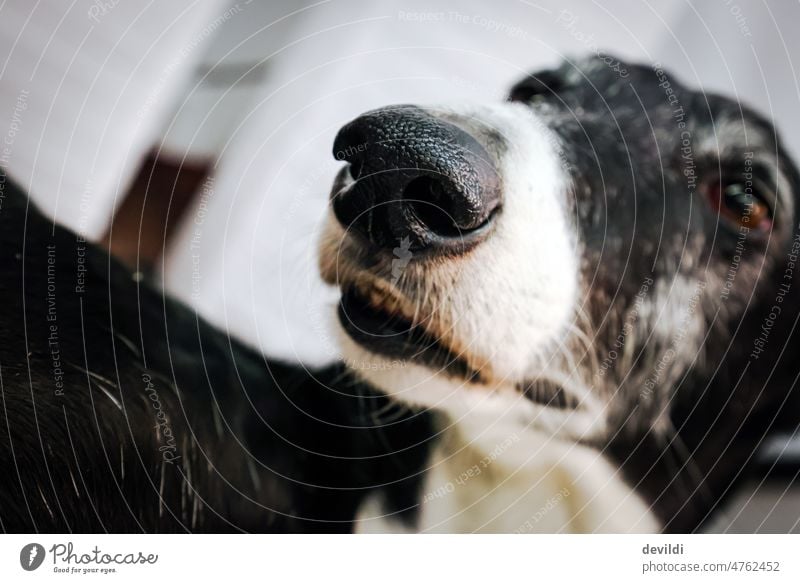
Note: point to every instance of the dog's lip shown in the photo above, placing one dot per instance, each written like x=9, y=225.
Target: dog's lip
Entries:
x=553, y=396
x=385, y=331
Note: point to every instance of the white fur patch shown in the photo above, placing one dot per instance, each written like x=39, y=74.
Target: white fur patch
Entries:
x=420, y=386
x=490, y=479
x=515, y=293
x=505, y=305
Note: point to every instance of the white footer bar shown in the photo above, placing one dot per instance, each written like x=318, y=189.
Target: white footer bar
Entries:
x=401, y=558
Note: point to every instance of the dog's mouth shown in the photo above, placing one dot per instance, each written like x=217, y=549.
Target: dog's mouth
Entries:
x=378, y=325
x=381, y=329
x=378, y=317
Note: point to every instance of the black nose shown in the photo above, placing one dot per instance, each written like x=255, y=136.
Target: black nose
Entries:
x=421, y=183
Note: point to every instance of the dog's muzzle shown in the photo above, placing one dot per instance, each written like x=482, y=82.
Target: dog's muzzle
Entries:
x=419, y=183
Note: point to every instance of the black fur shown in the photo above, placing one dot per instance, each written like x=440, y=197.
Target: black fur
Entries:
x=258, y=445
x=642, y=215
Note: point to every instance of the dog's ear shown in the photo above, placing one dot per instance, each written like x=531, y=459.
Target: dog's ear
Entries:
x=542, y=83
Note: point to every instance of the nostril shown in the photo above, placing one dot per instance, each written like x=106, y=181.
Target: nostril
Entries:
x=436, y=205
x=357, y=168
x=425, y=197
x=415, y=177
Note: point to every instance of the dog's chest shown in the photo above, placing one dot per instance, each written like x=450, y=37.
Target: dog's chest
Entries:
x=516, y=482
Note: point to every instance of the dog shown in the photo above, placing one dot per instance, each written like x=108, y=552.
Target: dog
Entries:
x=573, y=311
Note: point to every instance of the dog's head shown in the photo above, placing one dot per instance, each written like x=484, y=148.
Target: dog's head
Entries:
x=576, y=257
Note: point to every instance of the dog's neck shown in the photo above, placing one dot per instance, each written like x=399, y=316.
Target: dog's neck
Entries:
x=485, y=476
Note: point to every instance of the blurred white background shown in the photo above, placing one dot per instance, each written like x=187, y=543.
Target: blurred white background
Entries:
x=257, y=90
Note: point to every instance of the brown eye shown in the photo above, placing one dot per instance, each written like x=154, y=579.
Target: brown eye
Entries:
x=740, y=204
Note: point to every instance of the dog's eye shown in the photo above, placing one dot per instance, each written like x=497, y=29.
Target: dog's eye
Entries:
x=742, y=204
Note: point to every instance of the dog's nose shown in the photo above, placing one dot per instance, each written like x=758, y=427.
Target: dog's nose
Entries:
x=421, y=183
